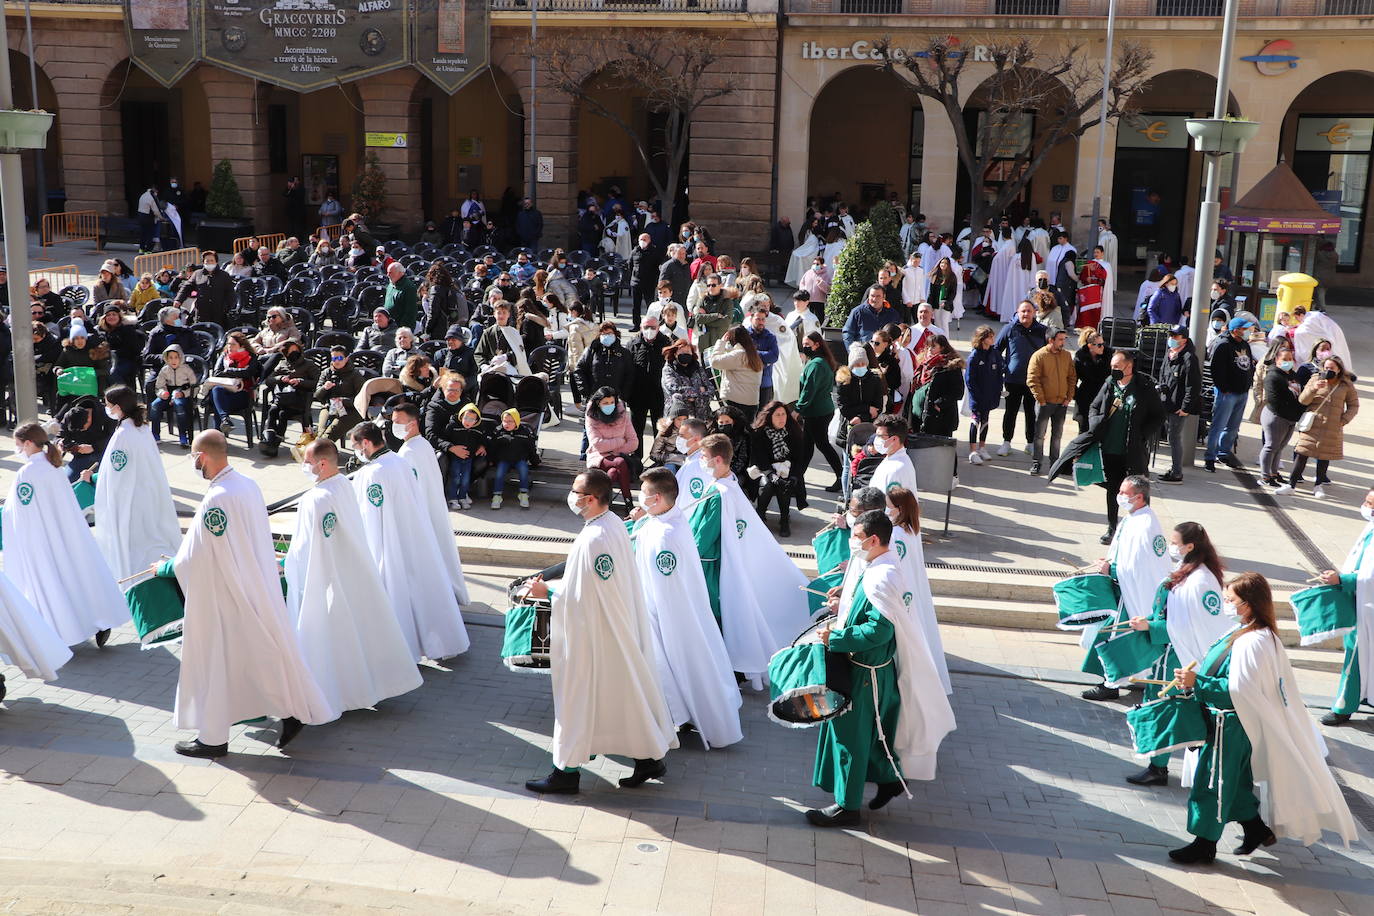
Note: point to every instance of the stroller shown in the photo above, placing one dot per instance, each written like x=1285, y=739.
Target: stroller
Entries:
x=532, y=400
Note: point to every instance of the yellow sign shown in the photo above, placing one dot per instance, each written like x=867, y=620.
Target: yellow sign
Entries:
x=1155, y=131
x=380, y=138
x=468, y=147
x=1338, y=135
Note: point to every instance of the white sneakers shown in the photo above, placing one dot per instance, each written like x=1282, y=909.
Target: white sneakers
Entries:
x=1004, y=450
x=455, y=505
x=974, y=457
x=1319, y=491
x=1283, y=490
x=983, y=452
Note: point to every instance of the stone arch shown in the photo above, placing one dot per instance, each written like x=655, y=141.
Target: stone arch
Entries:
x=865, y=101
x=51, y=157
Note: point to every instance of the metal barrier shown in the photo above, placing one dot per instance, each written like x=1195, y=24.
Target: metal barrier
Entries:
x=71, y=226
x=58, y=277
x=332, y=231
x=175, y=259
x=269, y=240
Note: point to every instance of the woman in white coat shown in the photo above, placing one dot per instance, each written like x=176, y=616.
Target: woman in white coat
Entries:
x=905, y=512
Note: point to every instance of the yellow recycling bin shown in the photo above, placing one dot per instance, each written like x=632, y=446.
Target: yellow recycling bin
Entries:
x=1295, y=290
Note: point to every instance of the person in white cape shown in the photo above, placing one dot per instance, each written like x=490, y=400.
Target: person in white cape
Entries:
x=889, y=440
x=694, y=668
x=240, y=658
x=401, y=539
x=1138, y=559
x=1356, y=578
x=900, y=713
x=1107, y=241
x=607, y=698
x=50, y=553
x=348, y=632
x=787, y=370
x=1263, y=764
x=905, y=512
x=27, y=640
x=995, y=296
x=135, y=518
x=416, y=450
x=693, y=478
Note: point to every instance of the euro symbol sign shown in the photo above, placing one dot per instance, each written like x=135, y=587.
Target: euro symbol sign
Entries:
x=1338, y=135
x=1155, y=131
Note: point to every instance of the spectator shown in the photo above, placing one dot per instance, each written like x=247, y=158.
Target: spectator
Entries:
x=1280, y=413
x=175, y=387
x=531, y=321
x=983, y=376
x=523, y=269
x=442, y=301
x=339, y=385
x=605, y=364
x=511, y=446
x=457, y=357
x=171, y=329
x=291, y=386
x=676, y=272
x=611, y=439
x=418, y=379
x=502, y=338
x=381, y=334
x=1125, y=418
x=1092, y=365
x=85, y=432
x=776, y=445
x=1233, y=370
x=703, y=260
x=143, y=292
x=442, y=423
x=888, y=366
x=331, y=211
x=107, y=287
x=686, y=381
x=125, y=343
x=465, y=443
x=269, y=266
x=1052, y=381
x=579, y=335
x=401, y=301
x=664, y=451
x=815, y=282
x=323, y=254
x=396, y=358
x=529, y=224
x=290, y=253
x=149, y=216
x=1016, y=344
x=239, y=371
x=1180, y=388
x=713, y=312
x=239, y=268
x=816, y=403
x=859, y=393
x=645, y=395
x=670, y=321
x=1166, y=304
x=209, y=290
x=737, y=361
x=940, y=403
x=79, y=351
x=864, y=319
x=644, y=262
x=590, y=227
x=53, y=304
x=278, y=329
x=1331, y=397
x=766, y=345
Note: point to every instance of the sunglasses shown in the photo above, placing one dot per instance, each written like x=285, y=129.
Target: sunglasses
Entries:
x=337, y=359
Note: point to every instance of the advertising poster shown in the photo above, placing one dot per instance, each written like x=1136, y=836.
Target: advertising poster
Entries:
x=451, y=40
x=162, y=37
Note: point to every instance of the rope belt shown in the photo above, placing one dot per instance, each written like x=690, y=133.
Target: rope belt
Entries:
x=878, y=717
x=1216, y=778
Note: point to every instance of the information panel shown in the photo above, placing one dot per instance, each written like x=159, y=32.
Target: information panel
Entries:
x=451, y=40
x=163, y=37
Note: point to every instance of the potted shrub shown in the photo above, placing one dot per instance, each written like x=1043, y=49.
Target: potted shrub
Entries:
x=1221, y=135
x=224, y=213
x=369, y=198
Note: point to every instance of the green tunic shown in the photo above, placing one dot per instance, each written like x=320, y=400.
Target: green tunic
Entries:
x=704, y=517
x=849, y=751
x=1168, y=662
x=1348, y=691
x=1091, y=663
x=1229, y=794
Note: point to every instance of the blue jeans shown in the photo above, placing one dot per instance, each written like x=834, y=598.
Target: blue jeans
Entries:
x=181, y=408
x=522, y=467
x=226, y=403
x=459, y=478
x=79, y=463
x=1227, y=411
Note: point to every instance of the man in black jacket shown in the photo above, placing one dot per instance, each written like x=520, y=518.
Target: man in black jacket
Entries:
x=457, y=357
x=645, y=396
x=644, y=261
x=209, y=291
x=676, y=272
x=1125, y=418
x=1233, y=371
x=1180, y=388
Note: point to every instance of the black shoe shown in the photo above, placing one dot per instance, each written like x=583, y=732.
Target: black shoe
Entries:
x=1171, y=477
x=833, y=816
x=290, y=728
x=1335, y=718
x=1150, y=776
x=1198, y=852
x=645, y=770
x=1209, y=466
x=1101, y=692
x=1035, y=468
x=2, y=688
x=1257, y=834
x=1107, y=537
x=194, y=748
x=834, y=487
x=784, y=528
x=1231, y=461
x=101, y=638
x=556, y=783
x=886, y=792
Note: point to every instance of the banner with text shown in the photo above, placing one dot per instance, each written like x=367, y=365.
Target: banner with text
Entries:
x=452, y=38
x=163, y=37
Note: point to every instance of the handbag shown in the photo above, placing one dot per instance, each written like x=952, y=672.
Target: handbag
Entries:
x=1309, y=419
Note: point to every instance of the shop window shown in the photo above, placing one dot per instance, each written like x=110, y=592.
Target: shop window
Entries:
x=1331, y=158
x=871, y=7
x=918, y=140
x=1188, y=7
x=1349, y=7
x=276, y=139
x=1027, y=7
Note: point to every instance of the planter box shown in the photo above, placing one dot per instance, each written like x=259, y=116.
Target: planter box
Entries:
x=214, y=234
x=1221, y=135
x=24, y=129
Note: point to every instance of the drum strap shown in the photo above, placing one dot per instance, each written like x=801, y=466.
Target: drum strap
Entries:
x=878, y=718
x=1216, y=778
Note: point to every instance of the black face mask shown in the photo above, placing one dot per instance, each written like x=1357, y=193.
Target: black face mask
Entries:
x=685, y=360
x=1117, y=374
x=1042, y=283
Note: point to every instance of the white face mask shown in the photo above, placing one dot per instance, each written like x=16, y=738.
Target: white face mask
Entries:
x=572, y=503
x=681, y=444
x=1229, y=609
x=856, y=545
x=880, y=446
x=112, y=415
x=211, y=265
x=1123, y=501
x=1367, y=513
x=309, y=471
x=649, y=333
x=1175, y=553
x=400, y=430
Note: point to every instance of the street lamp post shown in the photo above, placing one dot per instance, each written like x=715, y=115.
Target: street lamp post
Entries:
x=1102, y=123
x=533, y=191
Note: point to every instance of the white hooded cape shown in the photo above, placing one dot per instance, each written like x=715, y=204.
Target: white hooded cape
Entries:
x=1019, y=281
x=693, y=667
x=401, y=540
x=1360, y=562
x=1195, y=619
x=348, y=632
x=26, y=639
x=693, y=481
x=135, y=519
x=907, y=546
x=420, y=454
x=240, y=658
x=1107, y=239
x=787, y=370
x=606, y=693
x=1140, y=553
x=895, y=471
x=53, y=559
x=801, y=258
x=762, y=605
x=1319, y=326
x=996, y=298
x=1300, y=796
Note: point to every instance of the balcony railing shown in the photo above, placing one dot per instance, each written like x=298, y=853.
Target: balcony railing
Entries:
x=1168, y=9
x=623, y=6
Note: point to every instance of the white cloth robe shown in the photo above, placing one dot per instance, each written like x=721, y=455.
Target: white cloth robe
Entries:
x=1057, y=254
x=1109, y=288
x=787, y=369
x=915, y=284
x=895, y=470
x=907, y=545
x=401, y=540
x=240, y=658
x=1319, y=326
x=832, y=253
x=1040, y=243
x=1107, y=239
x=996, y=297
x=1019, y=280
x=420, y=455
x=27, y=640
x=1195, y=620
x=135, y=518
x=1360, y=563
x=801, y=259
x=762, y=605
x=931, y=255
x=52, y=557
x=694, y=481
x=1299, y=797
x=1140, y=553
x=348, y=632
x=606, y=693
x=693, y=666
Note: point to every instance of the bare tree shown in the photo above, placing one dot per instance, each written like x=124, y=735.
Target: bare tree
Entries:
x=1062, y=87
x=675, y=72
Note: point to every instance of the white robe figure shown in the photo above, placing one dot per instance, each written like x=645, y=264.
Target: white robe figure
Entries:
x=912, y=555
x=135, y=518
x=347, y=630
x=693, y=667
x=1194, y=618
x=801, y=259
x=1107, y=239
x=1109, y=288
x=1057, y=254
x=762, y=605
x=787, y=369
x=931, y=255
x=801, y=323
x=996, y=298
x=420, y=455
x=240, y=658
x=958, y=311
x=1299, y=797
x=832, y=254
x=915, y=285
x=693, y=481
x=895, y=470
x=606, y=694
x=27, y=640
x=847, y=225
x=1140, y=559
x=1360, y=563
x=1319, y=326
x=1018, y=282
x=52, y=558
x=401, y=540
x=926, y=716
x=1040, y=243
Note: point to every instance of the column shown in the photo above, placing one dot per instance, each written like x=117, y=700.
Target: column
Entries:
x=940, y=167
x=390, y=106
x=238, y=132
x=1084, y=233
x=556, y=138
x=93, y=160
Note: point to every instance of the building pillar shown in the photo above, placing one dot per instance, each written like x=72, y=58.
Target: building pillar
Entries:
x=799, y=90
x=238, y=132
x=93, y=160
x=1085, y=175
x=939, y=167
x=390, y=106
x=556, y=138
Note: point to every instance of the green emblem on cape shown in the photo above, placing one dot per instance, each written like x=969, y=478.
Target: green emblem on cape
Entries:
x=893, y=486
x=374, y=494
x=901, y=549
x=25, y=493
x=1211, y=603
x=740, y=525
x=329, y=523
x=906, y=598
x=696, y=487
x=119, y=458
x=604, y=565
x=1159, y=545
x=666, y=561
x=216, y=522
x=416, y=472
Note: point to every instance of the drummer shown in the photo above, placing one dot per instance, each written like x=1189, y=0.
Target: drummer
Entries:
x=1356, y=578
x=693, y=478
x=889, y=440
x=1186, y=619
x=1138, y=561
x=1261, y=731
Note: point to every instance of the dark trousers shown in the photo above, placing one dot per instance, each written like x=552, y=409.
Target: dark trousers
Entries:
x=289, y=405
x=1115, y=469
x=1300, y=465
x=643, y=296
x=638, y=415
x=225, y=402
x=817, y=431
x=1018, y=396
x=181, y=409
x=147, y=232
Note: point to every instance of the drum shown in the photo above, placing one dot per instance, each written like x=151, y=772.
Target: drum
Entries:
x=1127, y=655
x=1086, y=600
x=814, y=602
x=1323, y=613
x=1171, y=724
x=526, y=646
x=158, y=609
x=808, y=682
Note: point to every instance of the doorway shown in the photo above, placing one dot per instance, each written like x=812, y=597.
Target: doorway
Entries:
x=145, y=129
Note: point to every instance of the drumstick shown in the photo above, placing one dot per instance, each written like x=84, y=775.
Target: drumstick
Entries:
x=141, y=572
x=1148, y=680
x=811, y=706
x=813, y=591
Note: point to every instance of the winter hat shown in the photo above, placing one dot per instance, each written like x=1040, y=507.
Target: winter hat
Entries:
x=174, y=348
x=112, y=266
x=511, y=412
